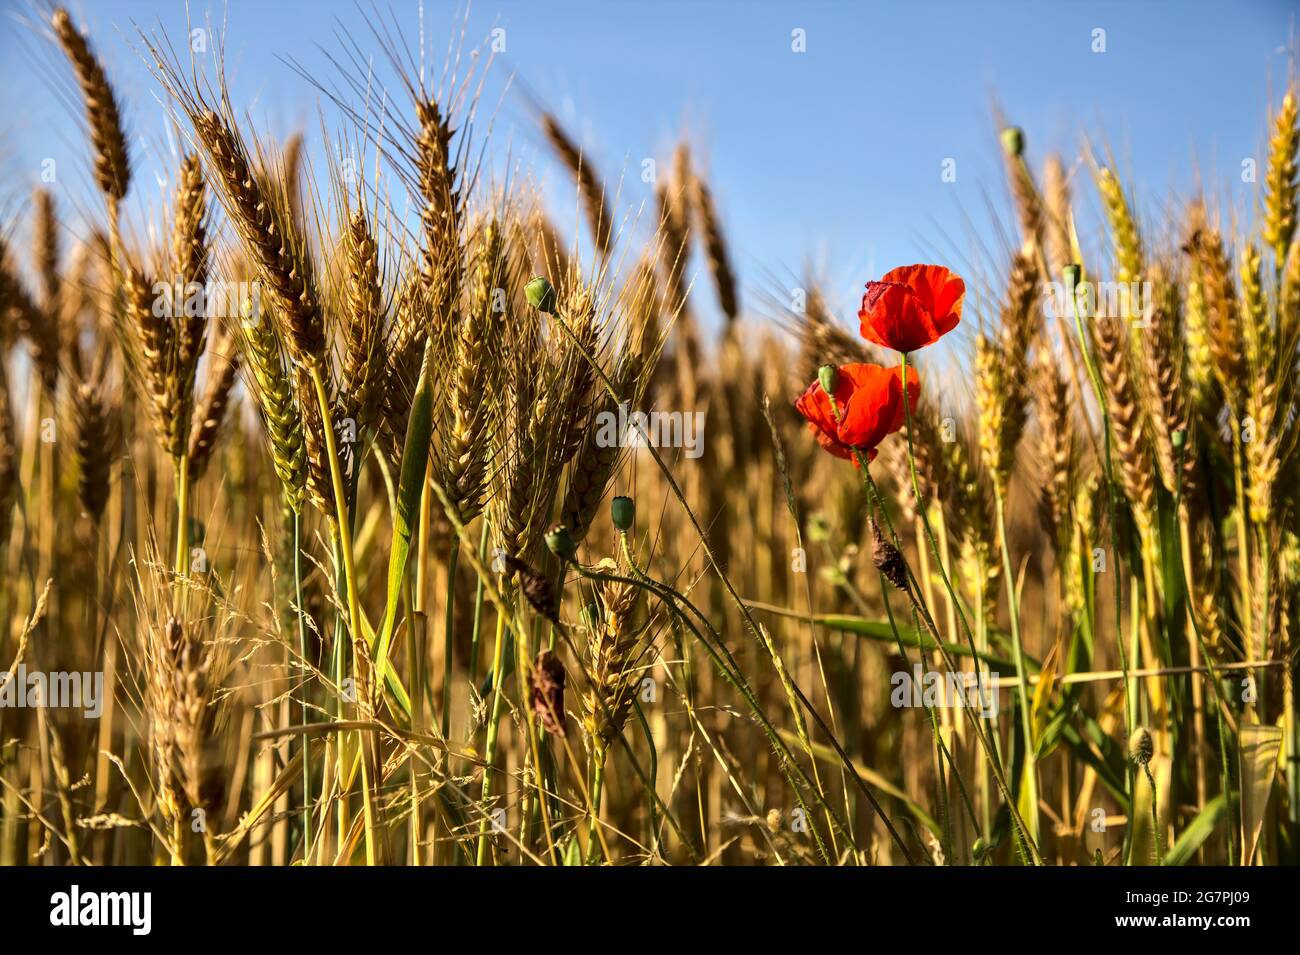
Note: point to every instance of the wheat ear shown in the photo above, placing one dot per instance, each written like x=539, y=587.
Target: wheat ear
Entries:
x=267, y=233
x=1280, y=181
x=589, y=185
x=112, y=171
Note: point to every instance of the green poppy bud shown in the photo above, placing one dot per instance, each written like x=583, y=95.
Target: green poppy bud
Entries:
x=1013, y=141
x=622, y=510
x=829, y=376
x=541, y=294
x=560, y=542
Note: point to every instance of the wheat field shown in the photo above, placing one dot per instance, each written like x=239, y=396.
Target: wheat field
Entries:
x=382, y=514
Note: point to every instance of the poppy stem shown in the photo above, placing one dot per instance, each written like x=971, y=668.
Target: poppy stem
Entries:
x=923, y=509
x=1026, y=844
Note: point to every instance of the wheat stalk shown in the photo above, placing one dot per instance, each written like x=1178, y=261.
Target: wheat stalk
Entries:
x=1123, y=228
x=617, y=642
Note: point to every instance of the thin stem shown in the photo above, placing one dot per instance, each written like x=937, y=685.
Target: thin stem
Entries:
x=344, y=532
x=300, y=614
x=494, y=723
x=597, y=789
x=182, y=563
x=453, y=555
x=1018, y=650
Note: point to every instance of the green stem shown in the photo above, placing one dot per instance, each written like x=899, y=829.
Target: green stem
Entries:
x=453, y=556
x=344, y=529
x=182, y=520
x=1018, y=650
x=653, y=774
x=478, y=610
x=494, y=724
x=305, y=709
x=597, y=789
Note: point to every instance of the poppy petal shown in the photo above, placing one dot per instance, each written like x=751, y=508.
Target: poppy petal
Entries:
x=911, y=306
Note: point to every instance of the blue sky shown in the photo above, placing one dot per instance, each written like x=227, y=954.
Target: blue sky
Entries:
x=831, y=156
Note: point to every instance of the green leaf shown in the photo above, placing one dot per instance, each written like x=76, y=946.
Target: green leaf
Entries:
x=1200, y=829
x=572, y=853
x=415, y=459
x=880, y=631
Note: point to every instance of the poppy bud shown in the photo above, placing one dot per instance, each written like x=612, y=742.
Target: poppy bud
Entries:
x=541, y=294
x=887, y=558
x=1140, y=746
x=1072, y=273
x=829, y=376
x=622, y=511
x=1179, y=438
x=560, y=542
x=1013, y=141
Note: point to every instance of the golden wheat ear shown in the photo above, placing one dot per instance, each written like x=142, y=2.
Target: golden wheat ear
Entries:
x=440, y=215
x=112, y=169
x=716, y=248
x=20, y=313
x=94, y=433
x=364, y=355
x=462, y=454
x=265, y=226
x=8, y=459
x=1280, y=181
x=590, y=188
x=210, y=413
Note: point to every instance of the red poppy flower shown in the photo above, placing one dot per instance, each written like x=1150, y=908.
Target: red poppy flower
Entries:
x=911, y=307
x=870, y=403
